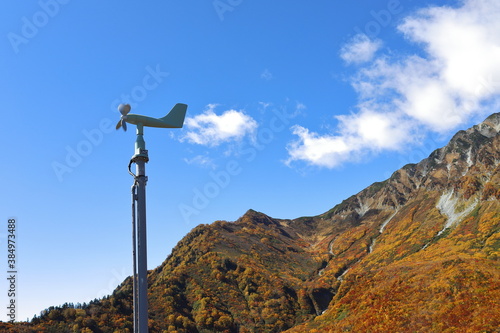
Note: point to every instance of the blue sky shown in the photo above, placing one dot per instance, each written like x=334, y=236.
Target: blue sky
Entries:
x=293, y=107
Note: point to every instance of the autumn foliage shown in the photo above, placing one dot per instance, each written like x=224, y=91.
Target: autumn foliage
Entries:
x=419, y=252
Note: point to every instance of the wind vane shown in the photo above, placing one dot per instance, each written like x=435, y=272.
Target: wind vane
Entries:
x=174, y=119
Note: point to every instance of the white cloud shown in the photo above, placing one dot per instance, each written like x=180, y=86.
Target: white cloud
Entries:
x=327, y=151
x=210, y=129
x=357, y=135
x=359, y=49
x=377, y=131
x=401, y=97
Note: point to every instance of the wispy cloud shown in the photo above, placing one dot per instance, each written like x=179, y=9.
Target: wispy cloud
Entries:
x=266, y=75
x=201, y=160
x=359, y=49
x=210, y=129
x=402, y=97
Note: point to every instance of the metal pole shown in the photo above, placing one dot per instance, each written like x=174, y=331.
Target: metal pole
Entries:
x=134, y=255
x=142, y=263
x=140, y=159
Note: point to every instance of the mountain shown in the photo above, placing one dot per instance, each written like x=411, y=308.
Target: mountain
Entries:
x=419, y=252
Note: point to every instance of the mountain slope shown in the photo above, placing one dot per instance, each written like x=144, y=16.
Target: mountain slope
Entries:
x=418, y=252
x=429, y=260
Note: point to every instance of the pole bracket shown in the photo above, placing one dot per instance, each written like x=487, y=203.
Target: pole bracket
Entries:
x=140, y=155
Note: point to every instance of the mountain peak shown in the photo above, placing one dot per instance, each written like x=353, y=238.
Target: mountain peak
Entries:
x=255, y=217
x=493, y=121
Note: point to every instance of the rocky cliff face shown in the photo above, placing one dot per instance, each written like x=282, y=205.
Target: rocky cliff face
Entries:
x=418, y=252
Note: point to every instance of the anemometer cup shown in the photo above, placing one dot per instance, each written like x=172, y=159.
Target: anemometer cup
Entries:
x=124, y=108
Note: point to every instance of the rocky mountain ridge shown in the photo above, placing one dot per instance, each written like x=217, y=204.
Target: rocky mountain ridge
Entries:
x=442, y=169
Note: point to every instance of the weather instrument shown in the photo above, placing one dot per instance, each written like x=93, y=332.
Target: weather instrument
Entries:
x=174, y=119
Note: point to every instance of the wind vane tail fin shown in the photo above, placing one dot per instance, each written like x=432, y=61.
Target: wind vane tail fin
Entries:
x=175, y=118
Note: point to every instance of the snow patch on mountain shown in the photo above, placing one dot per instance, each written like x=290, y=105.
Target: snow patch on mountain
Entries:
x=363, y=208
x=381, y=230
x=469, y=157
x=447, y=205
x=386, y=222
